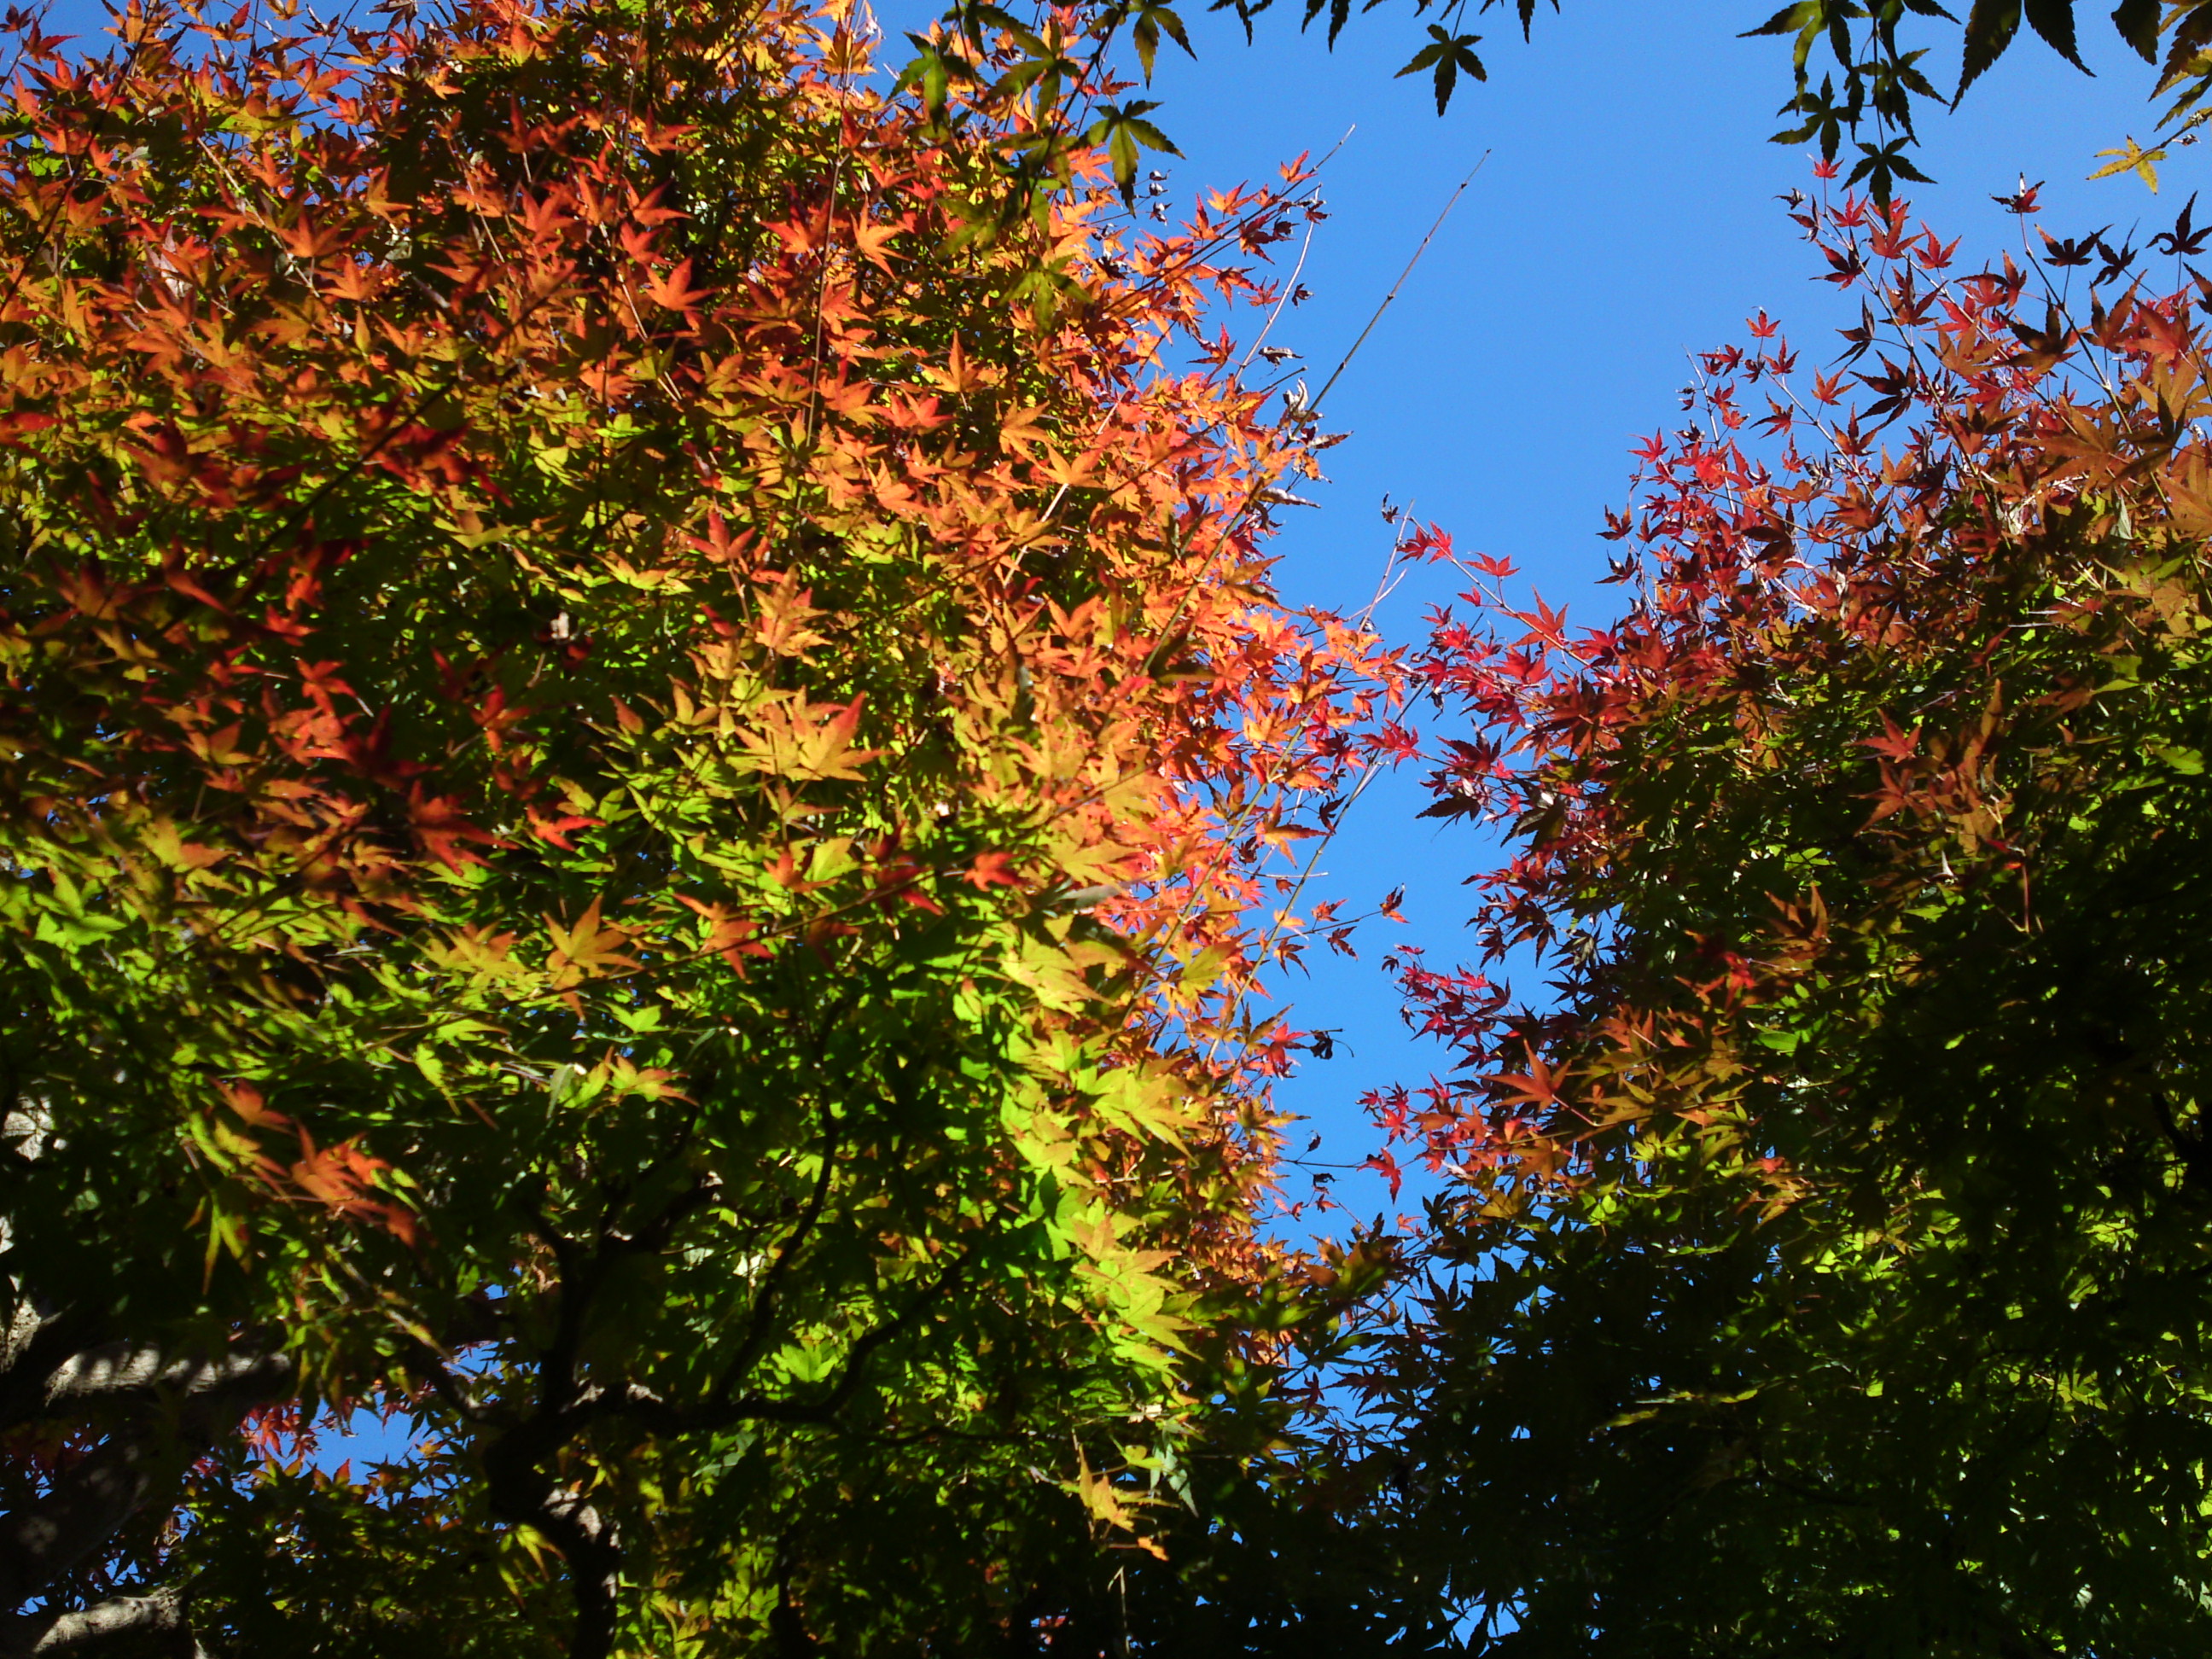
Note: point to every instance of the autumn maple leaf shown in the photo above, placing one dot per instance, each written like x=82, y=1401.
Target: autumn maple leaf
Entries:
x=672, y=291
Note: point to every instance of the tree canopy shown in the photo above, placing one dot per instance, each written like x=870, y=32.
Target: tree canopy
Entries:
x=1825, y=1270
x=641, y=737
x=646, y=747
x=1886, y=81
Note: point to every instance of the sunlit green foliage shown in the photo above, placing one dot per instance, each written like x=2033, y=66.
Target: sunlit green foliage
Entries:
x=639, y=733
x=1829, y=1268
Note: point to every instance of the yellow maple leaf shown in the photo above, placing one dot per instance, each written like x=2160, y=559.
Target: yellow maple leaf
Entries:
x=2133, y=159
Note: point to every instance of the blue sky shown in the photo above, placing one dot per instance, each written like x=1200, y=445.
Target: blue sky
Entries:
x=1626, y=216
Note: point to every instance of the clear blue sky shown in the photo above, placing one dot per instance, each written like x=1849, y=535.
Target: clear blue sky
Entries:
x=1626, y=216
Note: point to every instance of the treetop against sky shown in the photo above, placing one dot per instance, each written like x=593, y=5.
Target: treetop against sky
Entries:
x=675, y=732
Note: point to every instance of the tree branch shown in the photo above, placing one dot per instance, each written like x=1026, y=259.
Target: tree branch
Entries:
x=42, y=1541
x=2192, y=1147
x=37, y=1344
x=588, y=1542
x=119, y=1619
x=758, y=1327
x=521, y=1493
x=121, y=1372
x=856, y=1358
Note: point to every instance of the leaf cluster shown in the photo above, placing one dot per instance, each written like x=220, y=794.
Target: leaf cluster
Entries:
x=639, y=738
x=1826, y=1269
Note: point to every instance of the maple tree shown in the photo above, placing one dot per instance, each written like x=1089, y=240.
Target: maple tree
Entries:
x=1823, y=1267
x=642, y=737
x=1884, y=79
